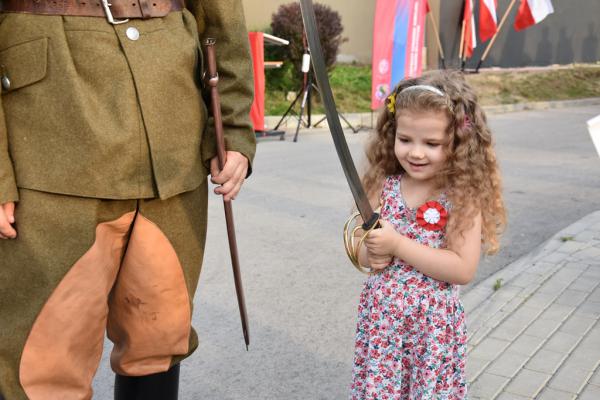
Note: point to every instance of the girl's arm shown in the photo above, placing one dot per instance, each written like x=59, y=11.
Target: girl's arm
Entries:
x=456, y=265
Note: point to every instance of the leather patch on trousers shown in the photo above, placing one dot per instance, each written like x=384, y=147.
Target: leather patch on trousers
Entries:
x=64, y=346
x=150, y=314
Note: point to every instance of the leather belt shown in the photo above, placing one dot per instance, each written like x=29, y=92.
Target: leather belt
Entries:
x=94, y=8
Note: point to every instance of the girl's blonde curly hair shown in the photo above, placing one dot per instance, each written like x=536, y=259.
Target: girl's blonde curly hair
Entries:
x=471, y=177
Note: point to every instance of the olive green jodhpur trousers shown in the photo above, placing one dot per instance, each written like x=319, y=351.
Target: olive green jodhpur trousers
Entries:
x=81, y=267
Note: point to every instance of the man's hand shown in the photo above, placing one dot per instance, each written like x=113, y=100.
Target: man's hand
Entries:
x=7, y=218
x=232, y=177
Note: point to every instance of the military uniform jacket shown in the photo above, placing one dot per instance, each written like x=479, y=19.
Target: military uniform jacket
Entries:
x=96, y=110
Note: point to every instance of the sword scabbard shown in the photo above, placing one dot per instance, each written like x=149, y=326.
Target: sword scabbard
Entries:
x=212, y=80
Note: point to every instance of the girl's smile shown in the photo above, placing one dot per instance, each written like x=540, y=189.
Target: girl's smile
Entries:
x=417, y=166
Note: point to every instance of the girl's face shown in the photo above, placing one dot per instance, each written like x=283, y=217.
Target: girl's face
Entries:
x=420, y=142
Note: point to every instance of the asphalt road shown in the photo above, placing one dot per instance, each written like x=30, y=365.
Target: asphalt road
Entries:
x=301, y=290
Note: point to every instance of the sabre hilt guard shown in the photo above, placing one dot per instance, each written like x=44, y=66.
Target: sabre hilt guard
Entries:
x=352, y=247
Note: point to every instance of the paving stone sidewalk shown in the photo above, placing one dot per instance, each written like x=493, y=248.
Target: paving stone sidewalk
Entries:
x=537, y=336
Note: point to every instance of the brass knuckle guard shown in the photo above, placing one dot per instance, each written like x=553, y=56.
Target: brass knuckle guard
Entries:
x=351, y=246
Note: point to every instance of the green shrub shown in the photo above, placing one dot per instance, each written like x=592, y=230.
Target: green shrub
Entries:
x=287, y=24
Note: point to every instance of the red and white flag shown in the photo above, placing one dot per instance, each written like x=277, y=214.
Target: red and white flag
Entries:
x=532, y=12
x=488, y=20
x=469, y=39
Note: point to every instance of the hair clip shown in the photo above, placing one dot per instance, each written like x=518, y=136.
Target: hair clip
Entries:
x=466, y=123
x=391, y=102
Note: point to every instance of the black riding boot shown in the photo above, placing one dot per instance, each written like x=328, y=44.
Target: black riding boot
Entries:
x=161, y=386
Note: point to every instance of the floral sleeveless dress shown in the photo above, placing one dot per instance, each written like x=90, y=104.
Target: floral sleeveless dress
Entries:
x=411, y=336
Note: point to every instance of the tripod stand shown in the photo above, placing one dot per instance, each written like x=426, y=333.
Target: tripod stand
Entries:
x=352, y=128
x=306, y=94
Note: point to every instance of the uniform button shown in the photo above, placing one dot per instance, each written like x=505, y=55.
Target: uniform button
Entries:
x=132, y=33
x=5, y=83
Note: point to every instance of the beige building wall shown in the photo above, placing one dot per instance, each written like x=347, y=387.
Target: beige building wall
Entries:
x=357, y=19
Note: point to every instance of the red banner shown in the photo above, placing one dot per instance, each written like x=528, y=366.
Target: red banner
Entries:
x=398, y=37
x=257, y=112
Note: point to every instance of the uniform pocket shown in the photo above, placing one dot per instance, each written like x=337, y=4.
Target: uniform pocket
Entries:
x=24, y=63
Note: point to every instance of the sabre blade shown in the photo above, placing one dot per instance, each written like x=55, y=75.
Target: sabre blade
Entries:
x=335, y=127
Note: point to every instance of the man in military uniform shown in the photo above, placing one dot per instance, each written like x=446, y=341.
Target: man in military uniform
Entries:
x=105, y=146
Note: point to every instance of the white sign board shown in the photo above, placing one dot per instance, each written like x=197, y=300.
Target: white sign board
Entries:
x=594, y=128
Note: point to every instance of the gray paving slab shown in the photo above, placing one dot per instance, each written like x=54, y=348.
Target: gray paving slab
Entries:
x=528, y=383
x=577, y=325
x=546, y=361
x=563, y=342
x=572, y=246
x=543, y=268
x=587, y=253
x=571, y=297
x=511, y=396
x=553, y=394
x=507, y=364
x=526, y=344
x=589, y=309
x=475, y=366
x=476, y=337
x=585, y=356
x=543, y=328
x=542, y=299
x=489, y=348
x=556, y=311
x=512, y=326
x=570, y=378
x=527, y=279
x=590, y=392
x=488, y=386
x=595, y=379
x=555, y=257
x=593, y=337
x=595, y=296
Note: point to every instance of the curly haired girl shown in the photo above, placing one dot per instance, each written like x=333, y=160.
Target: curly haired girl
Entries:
x=433, y=170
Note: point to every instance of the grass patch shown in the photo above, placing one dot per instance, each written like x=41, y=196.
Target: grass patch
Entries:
x=351, y=85
x=567, y=238
x=497, y=284
x=499, y=87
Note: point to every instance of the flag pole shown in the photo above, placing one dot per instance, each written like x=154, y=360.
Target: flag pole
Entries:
x=462, y=40
x=437, y=37
x=462, y=50
x=489, y=46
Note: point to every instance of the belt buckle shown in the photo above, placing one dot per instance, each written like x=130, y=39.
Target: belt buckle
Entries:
x=106, y=5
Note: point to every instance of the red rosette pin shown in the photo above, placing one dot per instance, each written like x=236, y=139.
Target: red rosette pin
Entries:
x=432, y=216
